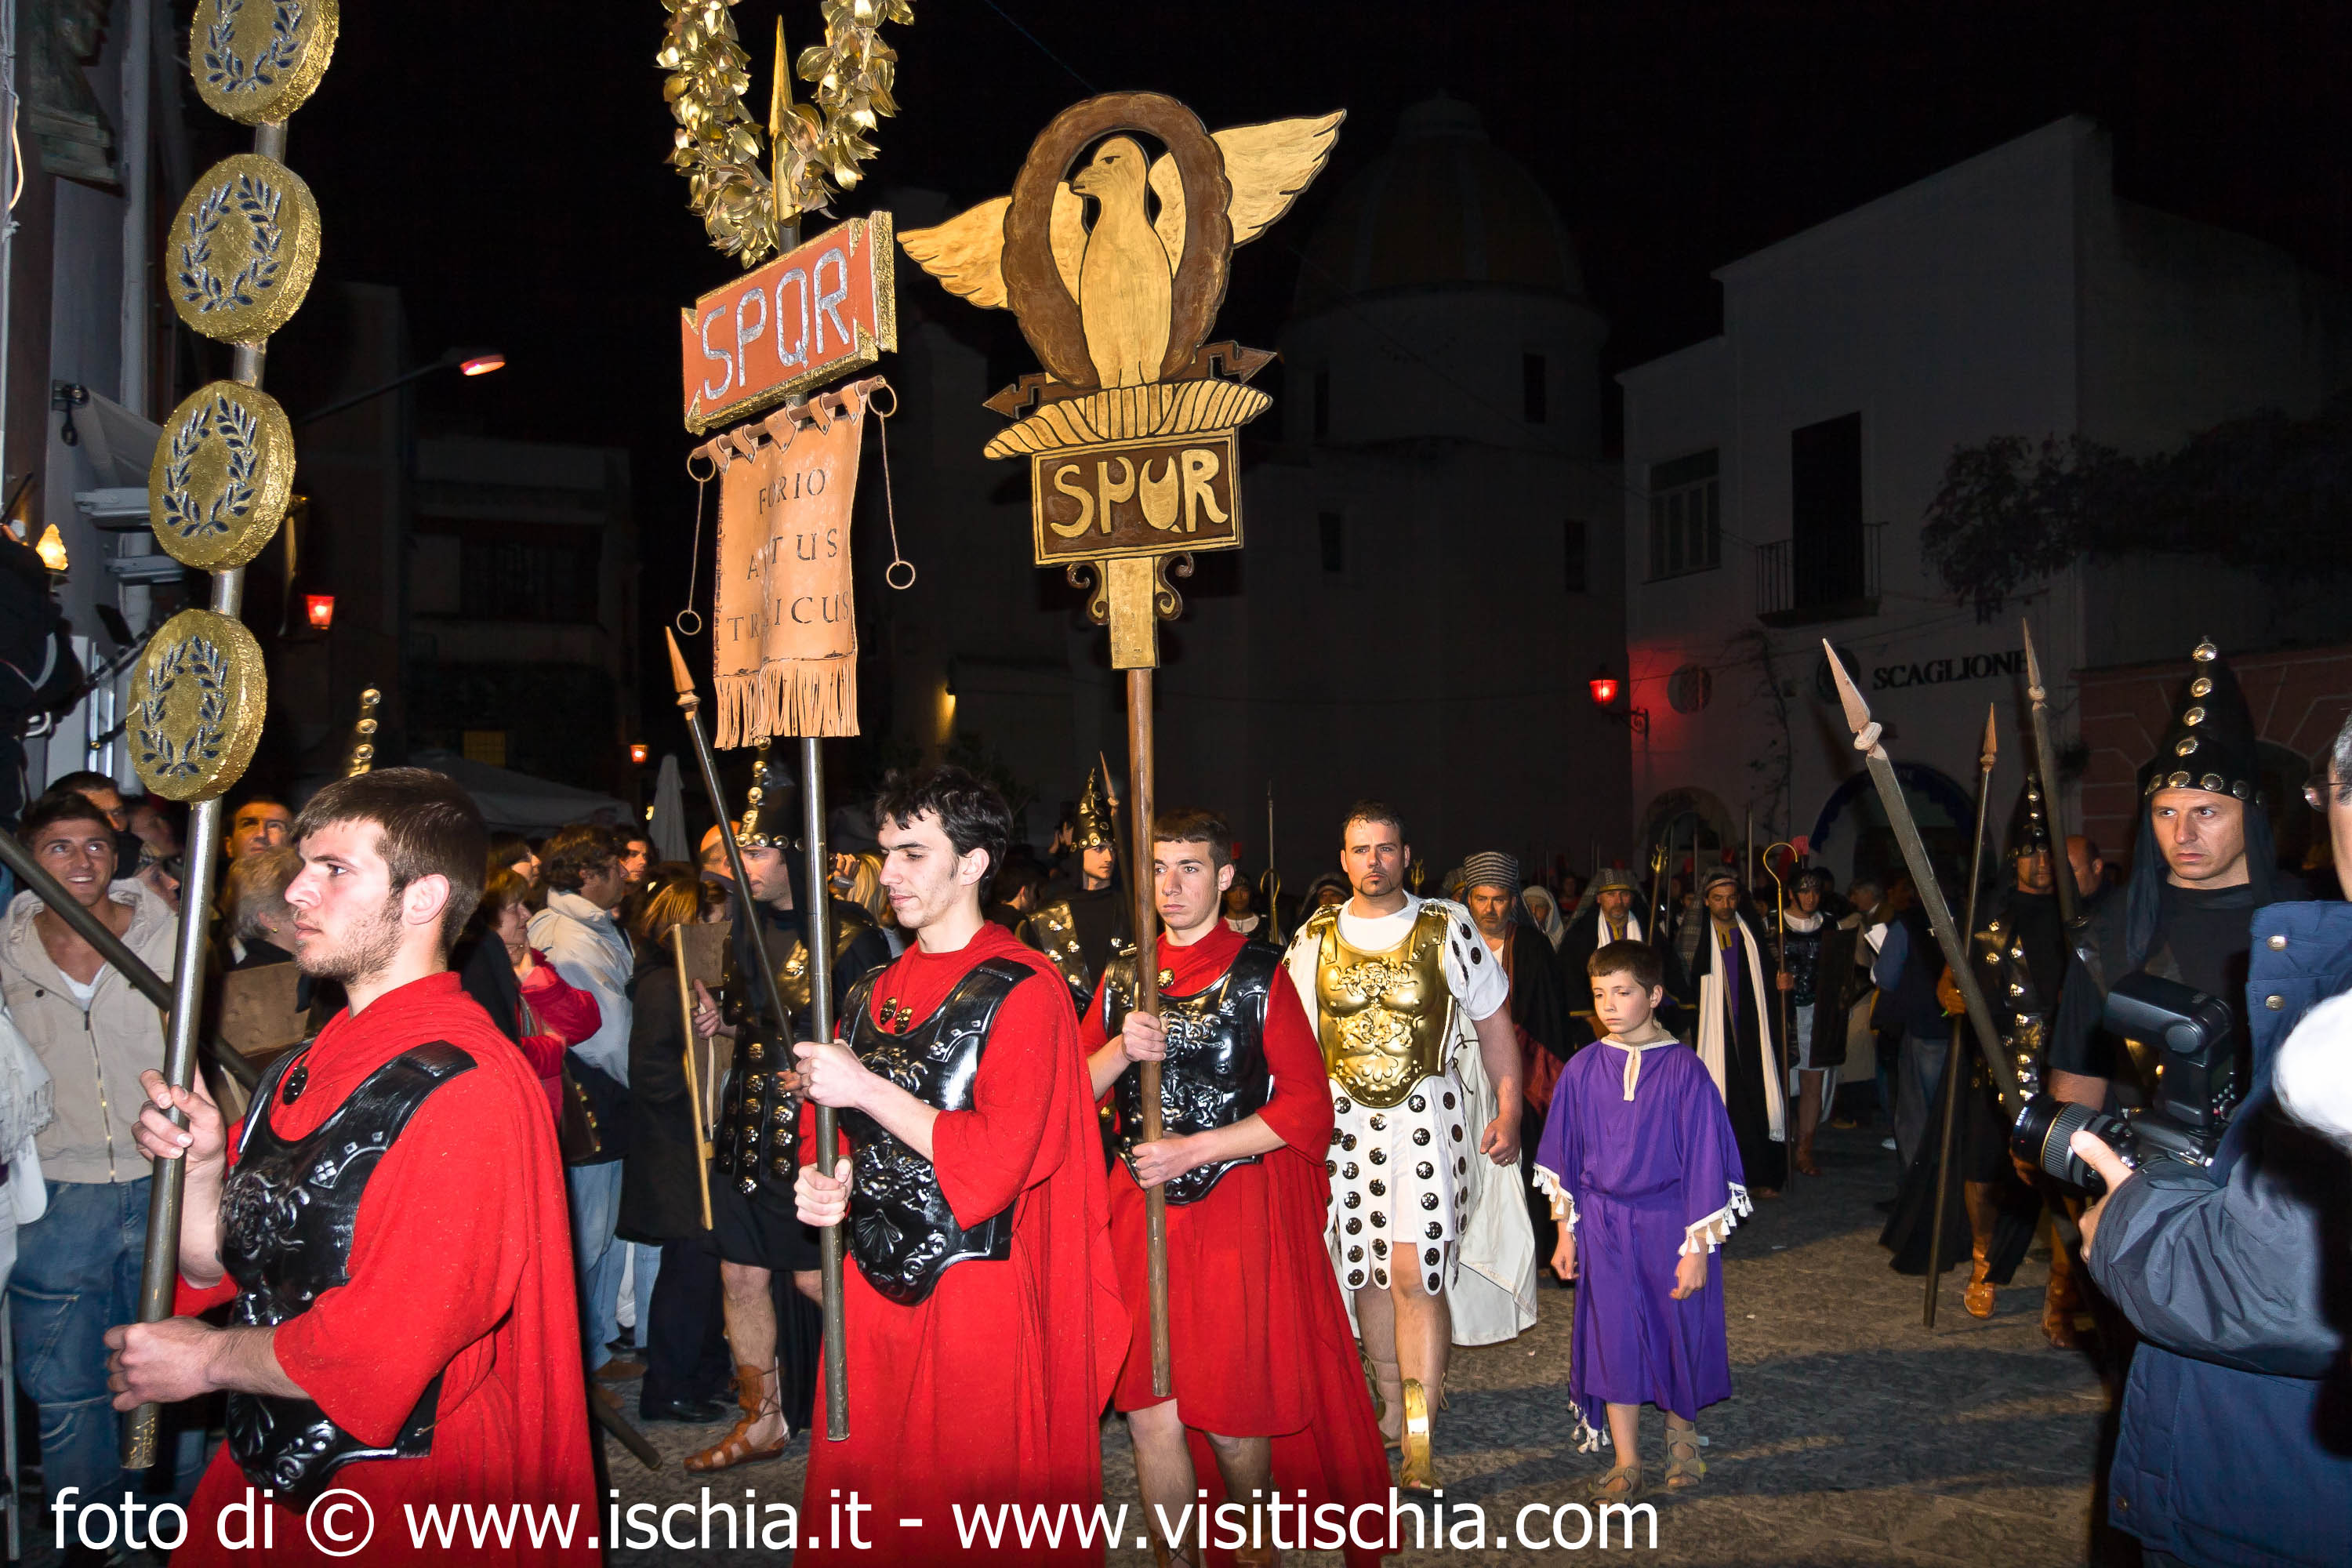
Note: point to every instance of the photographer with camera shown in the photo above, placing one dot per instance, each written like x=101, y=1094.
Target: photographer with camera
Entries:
x=2229, y=1450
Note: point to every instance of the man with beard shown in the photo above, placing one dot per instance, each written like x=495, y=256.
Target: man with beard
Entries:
x=1739, y=1029
x=1608, y=917
x=773, y=1332
x=1078, y=924
x=1539, y=1011
x=984, y=1330
x=1410, y=1009
x=1814, y=972
x=403, y=1325
x=1266, y=1381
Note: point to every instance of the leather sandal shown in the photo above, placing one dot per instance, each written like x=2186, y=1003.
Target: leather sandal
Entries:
x=737, y=1448
x=1683, y=1467
x=1619, y=1483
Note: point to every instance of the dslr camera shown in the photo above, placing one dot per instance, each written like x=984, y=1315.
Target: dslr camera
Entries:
x=2194, y=1085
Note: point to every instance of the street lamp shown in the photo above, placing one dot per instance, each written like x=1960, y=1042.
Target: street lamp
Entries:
x=465, y=362
x=1605, y=687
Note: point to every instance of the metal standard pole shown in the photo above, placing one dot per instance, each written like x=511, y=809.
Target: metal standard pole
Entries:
x=160, y=1270
x=1985, y=757
x=816, y=925
x=1146, y=985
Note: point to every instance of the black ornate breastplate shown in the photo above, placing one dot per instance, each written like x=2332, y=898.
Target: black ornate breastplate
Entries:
x=1215, y=1072
x=902, y=1231
x=758, y=1144
x=289, y=1210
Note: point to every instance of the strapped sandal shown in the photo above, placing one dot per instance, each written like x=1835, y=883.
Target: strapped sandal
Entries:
x=1683, y=1467
x=737, y=1448
x=1619, y=1483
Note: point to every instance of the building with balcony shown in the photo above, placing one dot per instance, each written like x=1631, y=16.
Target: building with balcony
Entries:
x=1777, y=476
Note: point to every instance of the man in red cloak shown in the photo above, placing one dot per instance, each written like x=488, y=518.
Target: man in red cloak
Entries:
x=984, y=1322
x=1265, y=1381
x=405, y=1329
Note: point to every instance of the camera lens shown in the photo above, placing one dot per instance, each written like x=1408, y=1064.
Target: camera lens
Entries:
x=2047, y=1126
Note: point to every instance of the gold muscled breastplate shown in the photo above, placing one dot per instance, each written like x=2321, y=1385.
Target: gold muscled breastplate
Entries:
x=1383, y=1015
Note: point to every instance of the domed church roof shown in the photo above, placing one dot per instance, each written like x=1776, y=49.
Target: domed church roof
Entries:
x=1442, y=206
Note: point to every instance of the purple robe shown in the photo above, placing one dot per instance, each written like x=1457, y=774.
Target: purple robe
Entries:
x=1643, y=1181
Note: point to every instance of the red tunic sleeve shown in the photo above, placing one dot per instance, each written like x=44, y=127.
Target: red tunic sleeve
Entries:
x=424, y=1288
x=1299, y=1109
x=564, y=1009
x=985, y=1156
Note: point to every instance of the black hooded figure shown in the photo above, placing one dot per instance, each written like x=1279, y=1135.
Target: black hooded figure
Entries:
x=2187, y=922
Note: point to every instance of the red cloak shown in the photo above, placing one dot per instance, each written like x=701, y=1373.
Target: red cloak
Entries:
x=1258, y=1337
x=990, y=1391
x=461, y=1267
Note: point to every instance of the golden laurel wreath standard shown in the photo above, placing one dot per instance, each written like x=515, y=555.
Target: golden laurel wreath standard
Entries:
x=717, y=146
x=196, y=706
x=257, y=60
x=223, y=475
x=243, y=248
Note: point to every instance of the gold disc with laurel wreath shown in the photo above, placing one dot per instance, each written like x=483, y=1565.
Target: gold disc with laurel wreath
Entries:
x=242, y=249
x=259, y=60
x=223, y=475
x=196, y=707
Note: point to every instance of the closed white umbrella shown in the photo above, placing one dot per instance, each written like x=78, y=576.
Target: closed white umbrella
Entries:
x=668, y=826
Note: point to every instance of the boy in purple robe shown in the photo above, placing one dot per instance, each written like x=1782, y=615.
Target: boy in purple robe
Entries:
x=1639, y=1161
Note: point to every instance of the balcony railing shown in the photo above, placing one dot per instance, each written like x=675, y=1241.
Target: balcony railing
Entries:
x=1822, y=586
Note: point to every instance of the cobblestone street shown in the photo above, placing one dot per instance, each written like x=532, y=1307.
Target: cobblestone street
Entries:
x=1852, y=1436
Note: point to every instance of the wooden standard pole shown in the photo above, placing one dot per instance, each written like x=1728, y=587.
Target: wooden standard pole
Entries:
x=1147, y=983
x=693, y=1072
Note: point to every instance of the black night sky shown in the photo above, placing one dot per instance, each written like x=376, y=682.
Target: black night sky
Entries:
x=503, y=164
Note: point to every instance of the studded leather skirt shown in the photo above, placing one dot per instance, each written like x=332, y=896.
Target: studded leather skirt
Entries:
x=1399, y=1185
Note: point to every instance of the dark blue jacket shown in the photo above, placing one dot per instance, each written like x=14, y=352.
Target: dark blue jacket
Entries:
x=2232, y=1449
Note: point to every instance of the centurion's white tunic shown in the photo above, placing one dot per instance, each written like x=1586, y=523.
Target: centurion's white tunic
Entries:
x=1410, y=1194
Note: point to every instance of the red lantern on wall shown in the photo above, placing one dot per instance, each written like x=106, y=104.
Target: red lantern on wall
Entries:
x=318, y=609
x=1605, y=687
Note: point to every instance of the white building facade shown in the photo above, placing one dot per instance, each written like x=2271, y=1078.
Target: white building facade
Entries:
x=1778, y=477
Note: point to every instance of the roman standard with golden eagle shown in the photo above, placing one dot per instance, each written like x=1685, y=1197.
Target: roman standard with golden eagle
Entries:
x=1131, y=430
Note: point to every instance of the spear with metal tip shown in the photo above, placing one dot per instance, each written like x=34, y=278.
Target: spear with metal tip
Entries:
x=2062, y=870
x=828, y=1138
x=1986, y=755
x=1922, y=878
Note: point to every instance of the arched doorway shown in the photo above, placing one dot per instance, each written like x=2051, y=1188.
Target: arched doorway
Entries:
x=1693, y=826
x=1852, y=837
